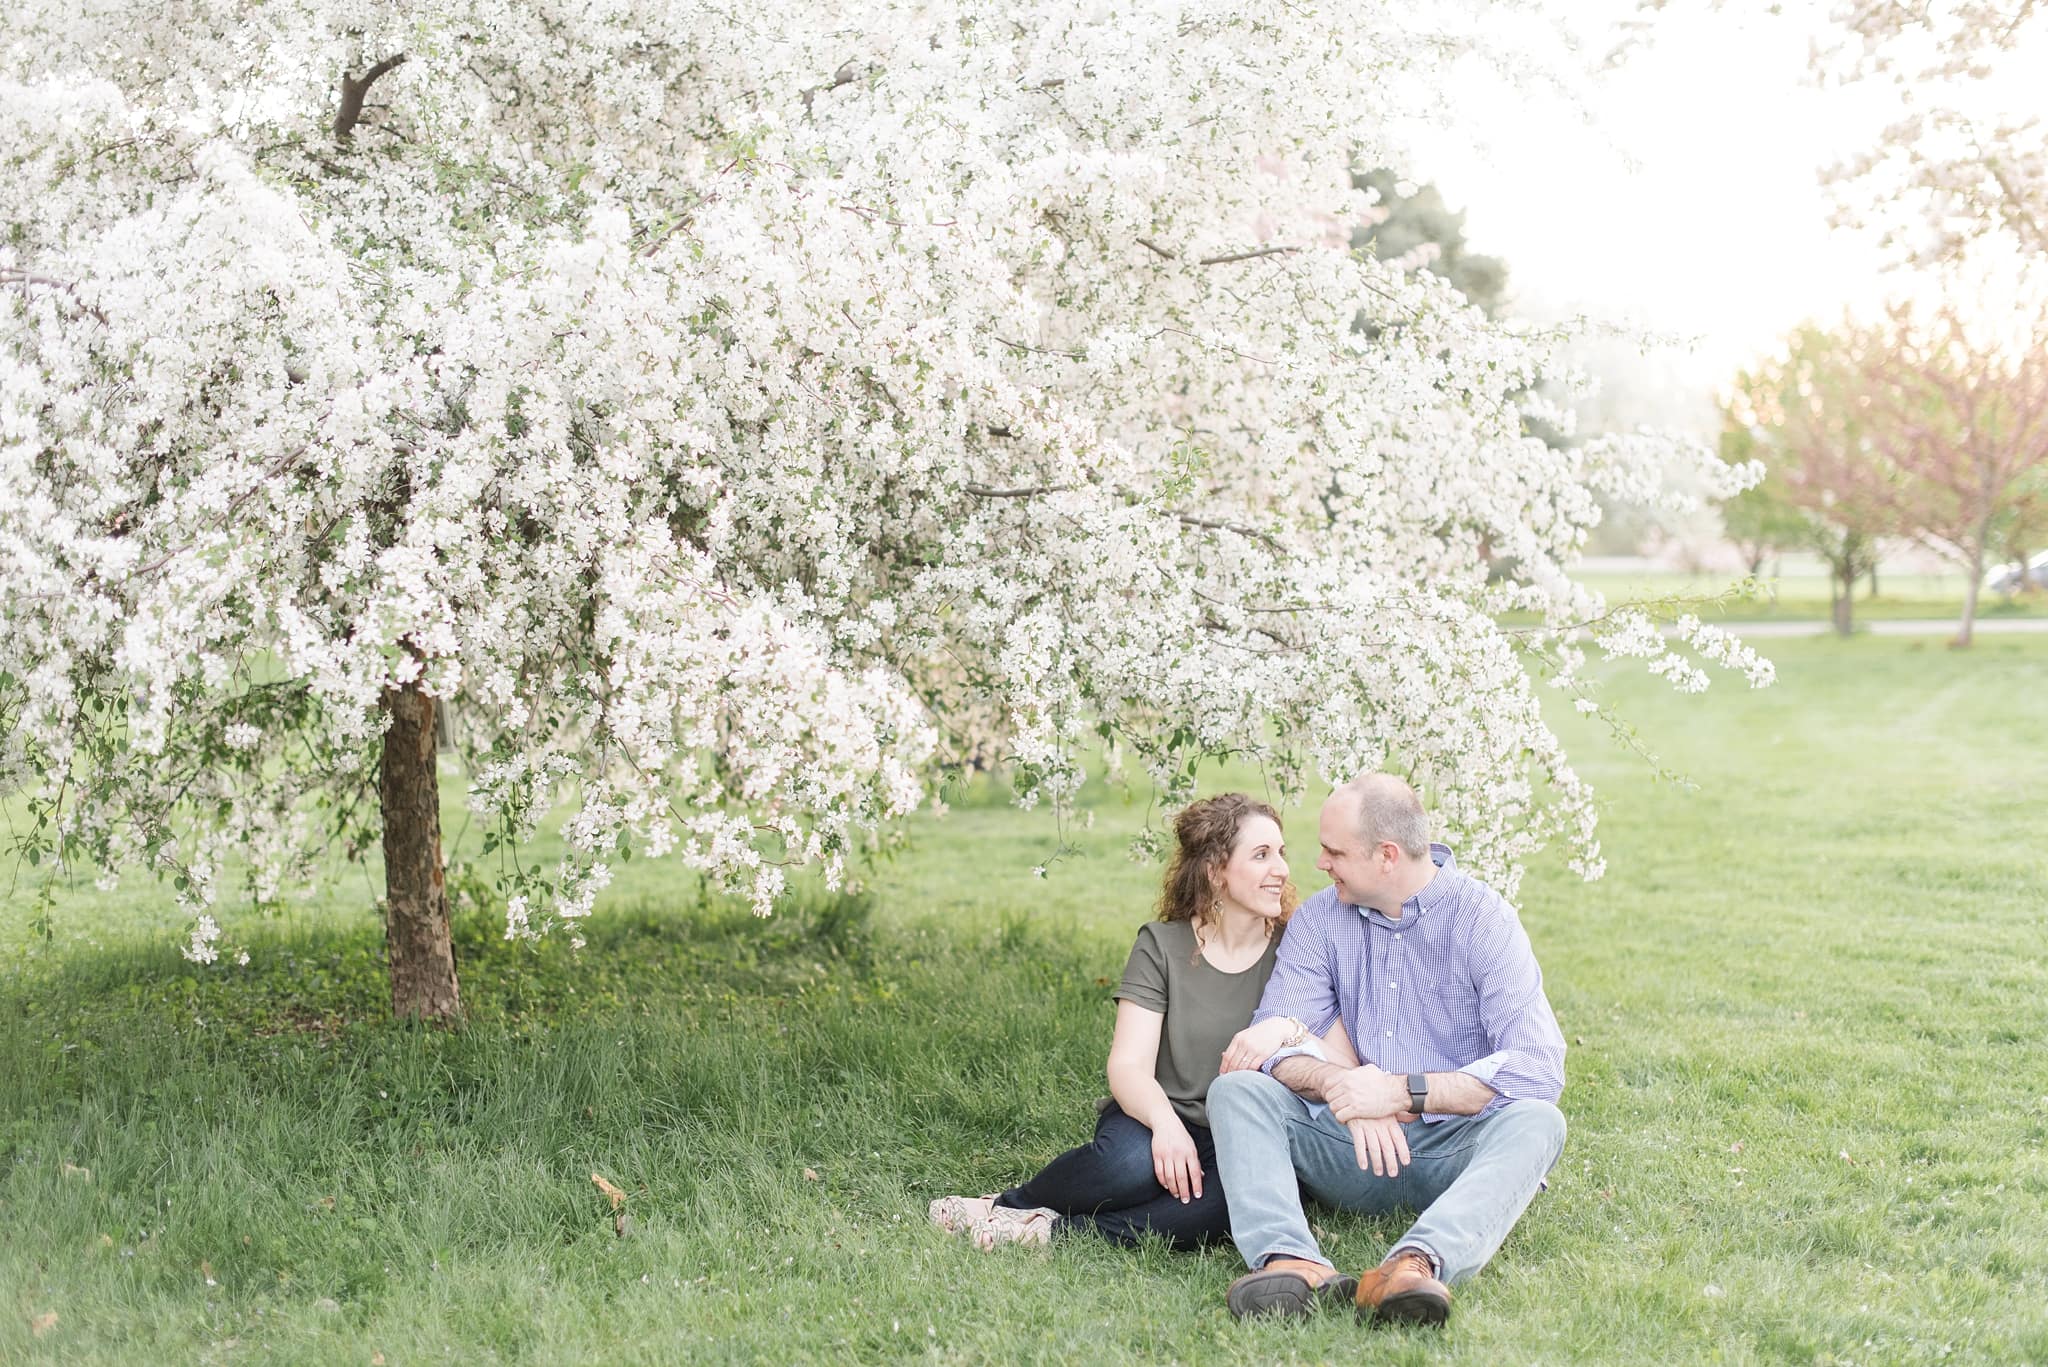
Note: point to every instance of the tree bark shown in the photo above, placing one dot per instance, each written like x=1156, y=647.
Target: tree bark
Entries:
x=1970, y=590
x=416, y=937
x=1842, y=589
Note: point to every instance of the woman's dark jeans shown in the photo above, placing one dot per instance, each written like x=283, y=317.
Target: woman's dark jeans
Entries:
x=1108, y=1187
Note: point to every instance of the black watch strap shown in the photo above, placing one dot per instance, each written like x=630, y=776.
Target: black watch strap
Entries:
x=1418, y=1091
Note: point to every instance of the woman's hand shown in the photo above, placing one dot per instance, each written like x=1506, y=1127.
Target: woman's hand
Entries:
x=1253, y=1045
x=1174, y=1160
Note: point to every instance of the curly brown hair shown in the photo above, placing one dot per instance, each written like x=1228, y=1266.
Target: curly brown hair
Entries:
x=1205, y=833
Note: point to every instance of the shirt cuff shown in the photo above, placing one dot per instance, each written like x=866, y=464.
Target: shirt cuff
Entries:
x=1486, y=1070
x=1312, y=1047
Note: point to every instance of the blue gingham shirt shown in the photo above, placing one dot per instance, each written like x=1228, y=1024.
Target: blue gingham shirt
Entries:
x=1452, y=986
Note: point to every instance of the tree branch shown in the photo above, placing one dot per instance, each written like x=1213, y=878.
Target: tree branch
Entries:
x=1042, y=351
x=1252, y=255
x=29, y=280
x=1032, y=491
x=353, y=91
x=1213, y=525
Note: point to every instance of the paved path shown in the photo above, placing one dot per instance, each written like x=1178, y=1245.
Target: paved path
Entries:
x=1946, y=626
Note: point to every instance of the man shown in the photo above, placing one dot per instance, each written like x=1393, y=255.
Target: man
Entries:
x=1425, y=974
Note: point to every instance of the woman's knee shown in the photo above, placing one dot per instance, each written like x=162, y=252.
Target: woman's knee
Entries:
x=1122, y=1146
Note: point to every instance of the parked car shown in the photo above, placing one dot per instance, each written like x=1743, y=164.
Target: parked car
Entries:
x=2006, y=578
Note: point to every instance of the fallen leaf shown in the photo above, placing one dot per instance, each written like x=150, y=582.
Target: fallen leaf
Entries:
x=622, y=1224
x=1578, y=1039
x=245, y=1241
x=325, y=1203
x=82, y=1174
x=43, y=1323
x=206, y=1271
x=106, y=1241
x=810, y=1174
x=1736, y=1147
x=1847, y=1159
x=376, y=1360
x=618, y=1198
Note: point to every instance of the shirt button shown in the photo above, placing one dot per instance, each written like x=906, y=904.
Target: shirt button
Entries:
x=1390, y=1034
x=1392, y=986
x=1397, y=937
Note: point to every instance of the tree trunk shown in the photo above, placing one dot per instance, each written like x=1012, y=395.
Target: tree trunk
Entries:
x=1873, y=579
x=1970, y=590
x=416, y=929
x=1842, y=595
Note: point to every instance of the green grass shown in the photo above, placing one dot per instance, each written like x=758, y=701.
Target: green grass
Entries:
x=1807, y=1094
x=1800, y=594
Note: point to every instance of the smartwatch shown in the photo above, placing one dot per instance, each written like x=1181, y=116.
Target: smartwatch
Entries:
x=1418, y=1091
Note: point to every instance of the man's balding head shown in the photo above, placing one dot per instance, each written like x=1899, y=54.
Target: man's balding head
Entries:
x=1386, y=810
x=1375, y=842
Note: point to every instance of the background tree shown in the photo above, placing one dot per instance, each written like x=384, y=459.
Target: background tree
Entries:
x=1762, y=520
x=734, y=418
x=1963, y=423
x=1800, y=414
x=2021, y=530
x=1419, y=230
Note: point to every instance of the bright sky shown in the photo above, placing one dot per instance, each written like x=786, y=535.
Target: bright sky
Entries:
x=1683, y=199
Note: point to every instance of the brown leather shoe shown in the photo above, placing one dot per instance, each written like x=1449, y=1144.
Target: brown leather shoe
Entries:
x=1404, y=1290
x=1288, y=1286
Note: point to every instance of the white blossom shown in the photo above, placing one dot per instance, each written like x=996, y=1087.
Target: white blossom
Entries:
x=200, y=947
x=737, y=417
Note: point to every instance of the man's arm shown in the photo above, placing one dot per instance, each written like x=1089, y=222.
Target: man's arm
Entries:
x=1527, y=1062
x=1381, y=1147
x=1302, y=985
x=1369, y=1093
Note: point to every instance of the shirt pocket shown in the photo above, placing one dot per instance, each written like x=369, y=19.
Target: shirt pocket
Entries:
x=1450, y=1013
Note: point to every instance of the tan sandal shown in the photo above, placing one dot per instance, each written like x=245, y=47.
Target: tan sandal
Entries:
x=958, y=1214
x=1008, y=1225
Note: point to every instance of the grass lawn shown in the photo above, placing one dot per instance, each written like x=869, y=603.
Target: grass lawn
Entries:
x=1807, y=1091
x=1800, y=594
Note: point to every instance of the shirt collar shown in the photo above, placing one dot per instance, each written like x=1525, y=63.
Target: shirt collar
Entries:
x=1433, y=895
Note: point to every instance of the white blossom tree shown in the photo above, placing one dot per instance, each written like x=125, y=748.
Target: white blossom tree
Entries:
x=719, y=418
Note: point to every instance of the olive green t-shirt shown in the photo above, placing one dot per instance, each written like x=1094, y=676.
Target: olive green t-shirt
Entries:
x=1203, y=1006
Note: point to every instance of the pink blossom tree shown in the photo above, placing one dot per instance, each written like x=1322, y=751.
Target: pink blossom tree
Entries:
x=1962, y=423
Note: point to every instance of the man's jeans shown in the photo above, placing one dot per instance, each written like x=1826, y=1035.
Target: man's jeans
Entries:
x=1470, y=1176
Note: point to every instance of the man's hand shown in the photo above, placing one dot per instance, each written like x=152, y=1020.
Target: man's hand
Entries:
x=1174, y=1160
x=1253, y=1045
x=1366, y=1093
x=1382, y=1147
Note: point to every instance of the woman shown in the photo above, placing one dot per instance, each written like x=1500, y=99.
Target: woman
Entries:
x=1194, y=978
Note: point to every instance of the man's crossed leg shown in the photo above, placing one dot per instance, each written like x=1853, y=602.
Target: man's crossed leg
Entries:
x=1469, y=1176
